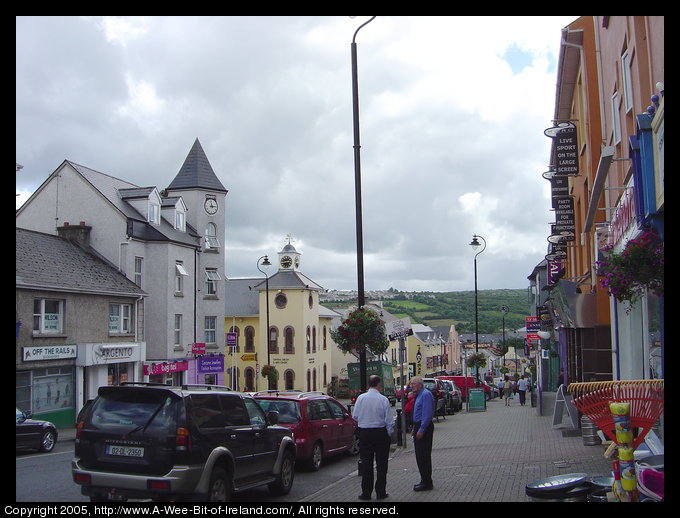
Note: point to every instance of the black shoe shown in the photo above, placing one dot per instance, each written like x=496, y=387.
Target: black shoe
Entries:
x=364, y=497
x=381, y=497
x=423, y=487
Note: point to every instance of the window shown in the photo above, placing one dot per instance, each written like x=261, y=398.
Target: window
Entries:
x=180, y=273
x=120, y=318
x=616, y=121
x=210, y=329
x=178, y=330
x=273, y=339
x=336, y=409
x=325, y=334
x=211, y=278
x=139, y=263
x=281, y=300
x=250, y=339
x=255, y=413
x=154, y=212
x=289, y=340
x=308, y=340
x=314, y=339
x=48, y=316
x=627, y=84
x=211, y=241
x=180, y=220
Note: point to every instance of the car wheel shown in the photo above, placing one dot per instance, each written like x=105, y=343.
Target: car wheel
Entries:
x=219, y=489
x=284, y=481
x=314, y=462
x=49, y=440
x=353, y=449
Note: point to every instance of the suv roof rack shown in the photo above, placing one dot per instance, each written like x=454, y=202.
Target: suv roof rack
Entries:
x=184, y=386
x=292, y=392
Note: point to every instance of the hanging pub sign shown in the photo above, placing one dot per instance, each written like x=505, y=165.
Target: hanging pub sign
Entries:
x=559, y=186
x=554, y=268
x=565, y=148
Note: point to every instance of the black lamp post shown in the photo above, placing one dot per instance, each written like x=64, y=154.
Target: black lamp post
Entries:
x=475, y=245
x=504, y=310
x=357, y=195
x=266, y=264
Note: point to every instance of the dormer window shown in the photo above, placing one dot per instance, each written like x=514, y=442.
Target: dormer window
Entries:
x=154, y=212
x=211, y=241
x=180, y=220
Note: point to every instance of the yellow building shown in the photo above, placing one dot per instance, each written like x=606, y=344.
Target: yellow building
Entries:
x=299, y=345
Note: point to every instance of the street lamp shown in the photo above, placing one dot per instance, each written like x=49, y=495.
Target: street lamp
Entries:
x=357, y=195
x=266, y=264
x=504, y=311
x=475, y=245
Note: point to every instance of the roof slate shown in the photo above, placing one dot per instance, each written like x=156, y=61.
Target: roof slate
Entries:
x=49, y=262
x=196, y=172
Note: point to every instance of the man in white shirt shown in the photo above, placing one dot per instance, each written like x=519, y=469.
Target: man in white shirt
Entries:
x=522, y=389
x=373, y=413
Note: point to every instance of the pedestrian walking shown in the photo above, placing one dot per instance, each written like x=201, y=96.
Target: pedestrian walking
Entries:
x=507, y=390
x=522, y=390
x=423, y=432
x=373, y=413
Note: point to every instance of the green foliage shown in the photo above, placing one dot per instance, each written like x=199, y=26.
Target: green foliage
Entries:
x=361, y=329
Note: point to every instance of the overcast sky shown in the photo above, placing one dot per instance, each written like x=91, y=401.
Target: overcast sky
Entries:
x=452, y=113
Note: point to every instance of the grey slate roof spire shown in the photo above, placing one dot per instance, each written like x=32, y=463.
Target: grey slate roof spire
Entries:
x=196, y=172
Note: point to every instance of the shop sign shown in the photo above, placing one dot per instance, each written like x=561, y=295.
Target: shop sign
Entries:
x=198, y=348
x=566, y=148
x=231, y=339
x=50, y=352
x=210, y=364
x=623, y=218
x=532, y=324
x=554, y=268
x=165, y=368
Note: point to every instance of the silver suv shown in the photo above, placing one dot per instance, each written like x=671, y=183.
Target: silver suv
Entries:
x=143, y=440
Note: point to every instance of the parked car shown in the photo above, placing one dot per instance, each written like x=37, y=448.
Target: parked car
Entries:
x=465, y=382
x=441, y=395
x=321, y=425
x=35, y=434
x=493, y=391
x=162, y=442
x=456, y=399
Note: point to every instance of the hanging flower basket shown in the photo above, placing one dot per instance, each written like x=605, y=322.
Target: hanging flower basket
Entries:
x=361, y=330
x=270, y=372
x=638, y=268
x=477, y=360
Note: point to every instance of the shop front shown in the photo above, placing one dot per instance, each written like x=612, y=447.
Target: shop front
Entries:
x=105, y=364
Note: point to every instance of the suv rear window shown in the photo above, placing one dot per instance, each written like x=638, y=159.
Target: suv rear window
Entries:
x=146, y=410
x=289, y=411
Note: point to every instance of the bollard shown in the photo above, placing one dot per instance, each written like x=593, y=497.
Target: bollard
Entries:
x=399, y=429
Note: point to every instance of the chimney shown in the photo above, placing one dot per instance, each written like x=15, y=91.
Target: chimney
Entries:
x=76, y=234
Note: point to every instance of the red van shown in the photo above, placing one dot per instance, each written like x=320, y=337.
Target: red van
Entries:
x=463, y=382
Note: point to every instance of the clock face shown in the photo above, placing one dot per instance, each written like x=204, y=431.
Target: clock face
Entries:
x=210, y=206
x=286, y=261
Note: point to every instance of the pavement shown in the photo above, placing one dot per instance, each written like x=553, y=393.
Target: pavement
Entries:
x=483, y=456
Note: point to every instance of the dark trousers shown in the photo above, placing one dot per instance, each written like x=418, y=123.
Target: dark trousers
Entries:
x=374, y=443
x=522, y=396
x=423, y=451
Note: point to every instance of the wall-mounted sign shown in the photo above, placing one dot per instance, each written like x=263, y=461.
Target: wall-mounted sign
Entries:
x=198, y=348
x=50, y=352
x=210, y=364
x=565, y=148
x=165, y=368
x=231, y=339
x=559, y=186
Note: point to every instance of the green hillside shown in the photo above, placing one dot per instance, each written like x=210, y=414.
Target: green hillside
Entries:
x=458, y=307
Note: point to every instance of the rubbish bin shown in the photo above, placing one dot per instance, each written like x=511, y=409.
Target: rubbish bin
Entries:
x=572, y=487
x=589, y=432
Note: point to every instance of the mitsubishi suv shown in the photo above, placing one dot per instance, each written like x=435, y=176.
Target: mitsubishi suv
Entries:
x=190, y=442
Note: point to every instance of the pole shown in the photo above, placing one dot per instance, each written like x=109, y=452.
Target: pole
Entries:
x=361, y=301
x=476, y=325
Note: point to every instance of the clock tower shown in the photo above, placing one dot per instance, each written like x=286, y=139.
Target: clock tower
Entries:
x=289, y=258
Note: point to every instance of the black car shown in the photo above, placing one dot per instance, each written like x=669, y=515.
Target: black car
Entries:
x=34, y=434
x=161, y=442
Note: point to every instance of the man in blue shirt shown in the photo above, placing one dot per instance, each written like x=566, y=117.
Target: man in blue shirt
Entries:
x=373, y=413
x=423, y=431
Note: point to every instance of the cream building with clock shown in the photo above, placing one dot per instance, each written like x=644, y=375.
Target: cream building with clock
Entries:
x=298, y=344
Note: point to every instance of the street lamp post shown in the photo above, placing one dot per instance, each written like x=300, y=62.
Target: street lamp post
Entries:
x=504, y=310
x=361, y=301
x=475, y=244
x=266, y=264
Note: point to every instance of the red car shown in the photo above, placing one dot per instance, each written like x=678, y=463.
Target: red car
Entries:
x=321, y=425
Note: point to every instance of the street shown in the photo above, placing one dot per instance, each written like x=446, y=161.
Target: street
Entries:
x=46, y=477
